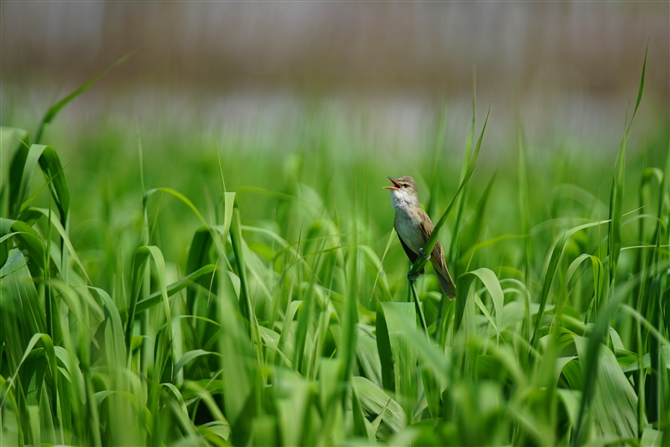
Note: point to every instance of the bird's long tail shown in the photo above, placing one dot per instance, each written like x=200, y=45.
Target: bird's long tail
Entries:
x=443, y=276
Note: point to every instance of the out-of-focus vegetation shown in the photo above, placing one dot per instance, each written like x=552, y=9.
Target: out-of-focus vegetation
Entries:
x=220, y=291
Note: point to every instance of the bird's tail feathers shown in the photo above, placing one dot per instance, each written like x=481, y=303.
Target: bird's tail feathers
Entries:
x=446, y=283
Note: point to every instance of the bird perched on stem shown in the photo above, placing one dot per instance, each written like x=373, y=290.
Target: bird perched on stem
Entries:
x=414, y=227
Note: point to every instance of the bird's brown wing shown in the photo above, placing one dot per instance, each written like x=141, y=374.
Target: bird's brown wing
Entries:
x=410, y=254
x=437, y=259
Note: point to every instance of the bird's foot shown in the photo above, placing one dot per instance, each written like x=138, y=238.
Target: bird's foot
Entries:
x=423, y=255
x=412, y=276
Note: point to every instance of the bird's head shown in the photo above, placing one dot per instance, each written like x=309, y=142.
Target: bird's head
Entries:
x=403, y=189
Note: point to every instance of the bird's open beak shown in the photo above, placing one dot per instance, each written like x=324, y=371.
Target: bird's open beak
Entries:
x=395, y=186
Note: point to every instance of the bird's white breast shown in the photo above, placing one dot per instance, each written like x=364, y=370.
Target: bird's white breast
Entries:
x=400, y=199
x=407, y=221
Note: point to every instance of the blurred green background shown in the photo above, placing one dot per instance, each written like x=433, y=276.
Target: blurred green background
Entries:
x=278, y=123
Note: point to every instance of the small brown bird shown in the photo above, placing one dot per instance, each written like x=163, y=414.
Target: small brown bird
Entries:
x=414, y=227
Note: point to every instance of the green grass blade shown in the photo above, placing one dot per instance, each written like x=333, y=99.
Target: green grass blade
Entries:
x=617, y=189
x=142, y=256
x=404, y=354
x=556, y=254
x=54, y=109
x=438, y=149
x=653, y=394
x=241, y=378
x=454, y=253
x=590, y=360
x=640, y=90
x=199, y=256
x=179, y=196
x=246, y=308
x=524, y=198
x=189, y=356
x=492, y=285
x=385, y=352
x=173, y=288
x=304, y=322
x=25, y=162
x=432, y=240
x=26, y=238
x=55, y=223
x=375, y=401
x=15, y=143
x=475, y=227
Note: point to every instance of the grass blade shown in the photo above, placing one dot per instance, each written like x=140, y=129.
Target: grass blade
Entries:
x=432, y=240
x=54, y=109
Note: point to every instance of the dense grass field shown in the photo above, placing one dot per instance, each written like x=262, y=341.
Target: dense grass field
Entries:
x=181, y=289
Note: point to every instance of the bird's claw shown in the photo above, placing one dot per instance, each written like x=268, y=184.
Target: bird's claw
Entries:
x=412, y=276
x=423, y=255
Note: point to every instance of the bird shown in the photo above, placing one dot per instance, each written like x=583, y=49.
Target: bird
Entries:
x=414, y=227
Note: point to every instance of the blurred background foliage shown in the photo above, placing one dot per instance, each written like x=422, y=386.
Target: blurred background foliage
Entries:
x=209, y=256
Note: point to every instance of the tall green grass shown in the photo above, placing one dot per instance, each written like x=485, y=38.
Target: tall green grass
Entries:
x=239, y=297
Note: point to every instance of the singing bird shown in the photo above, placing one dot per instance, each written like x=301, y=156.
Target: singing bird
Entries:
x=414, y=227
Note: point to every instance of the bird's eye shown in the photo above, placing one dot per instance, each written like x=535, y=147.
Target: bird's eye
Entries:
x=405, y=185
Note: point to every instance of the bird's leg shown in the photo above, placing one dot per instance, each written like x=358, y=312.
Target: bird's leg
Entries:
x=413, y=277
